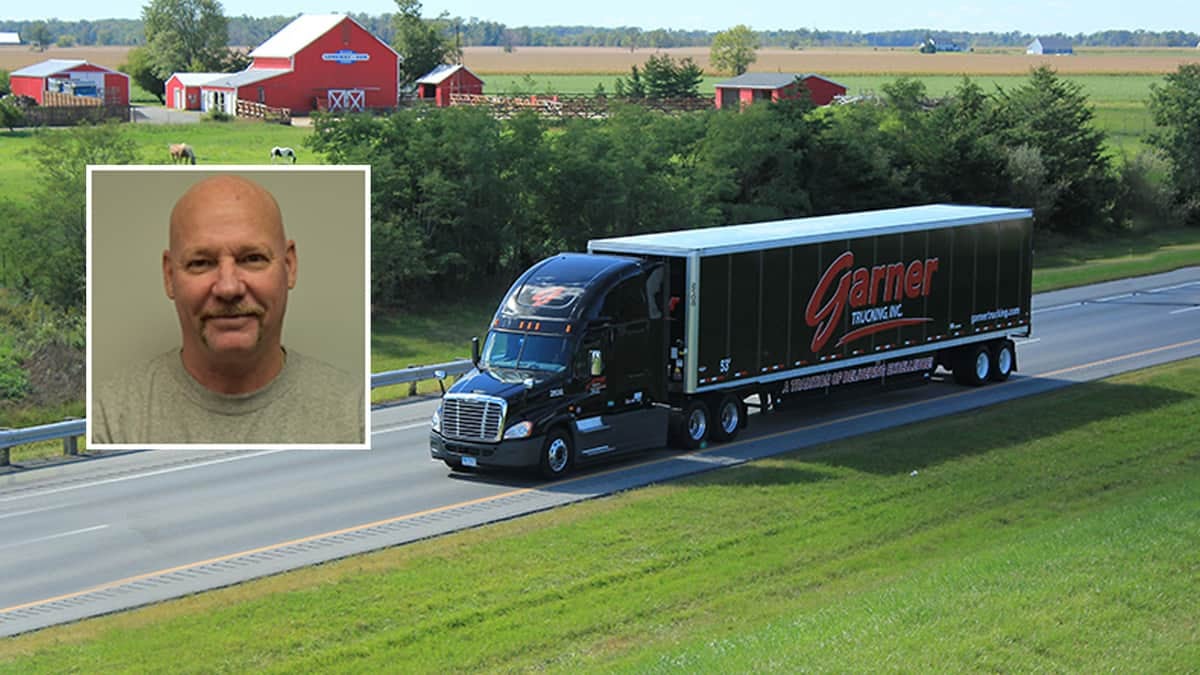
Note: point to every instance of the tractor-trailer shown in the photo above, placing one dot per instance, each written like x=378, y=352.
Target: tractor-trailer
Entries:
x=674, y=334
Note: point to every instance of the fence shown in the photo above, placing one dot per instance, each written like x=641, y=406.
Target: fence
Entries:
x=587, y=107
x=70, y=115
x=263, y=112
x=71, y=430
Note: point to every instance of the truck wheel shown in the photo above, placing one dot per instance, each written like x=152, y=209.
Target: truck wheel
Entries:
x=974, y=366
x=693, y=428
x=730, y=415
x=1004, y=361
x=557, y=455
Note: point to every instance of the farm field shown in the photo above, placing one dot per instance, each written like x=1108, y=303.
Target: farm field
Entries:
x=600, y=60
x=1054, y=533
x=609, y=60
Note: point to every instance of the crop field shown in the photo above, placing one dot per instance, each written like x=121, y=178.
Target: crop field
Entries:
x=843, y=61
x=601, y=60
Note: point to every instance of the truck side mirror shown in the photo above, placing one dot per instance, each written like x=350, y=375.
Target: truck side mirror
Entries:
x=597, y=360
x=475, y=351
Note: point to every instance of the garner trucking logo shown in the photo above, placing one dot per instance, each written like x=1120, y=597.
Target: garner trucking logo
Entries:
x=874, y=294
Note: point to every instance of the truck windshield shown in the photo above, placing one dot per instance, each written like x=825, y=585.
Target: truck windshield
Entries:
x=523, y=351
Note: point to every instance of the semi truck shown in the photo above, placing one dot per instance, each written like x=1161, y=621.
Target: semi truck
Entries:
x=674, y=336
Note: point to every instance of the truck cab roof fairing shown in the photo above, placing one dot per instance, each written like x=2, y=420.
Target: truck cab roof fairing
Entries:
x=562, y=287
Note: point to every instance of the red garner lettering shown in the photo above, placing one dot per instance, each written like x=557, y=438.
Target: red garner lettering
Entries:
x=864, y=287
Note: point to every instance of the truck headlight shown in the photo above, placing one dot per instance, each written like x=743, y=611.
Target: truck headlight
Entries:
x=519, y=430
x=436, y=422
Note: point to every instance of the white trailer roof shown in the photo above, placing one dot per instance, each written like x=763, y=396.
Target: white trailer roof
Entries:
x=755, y=236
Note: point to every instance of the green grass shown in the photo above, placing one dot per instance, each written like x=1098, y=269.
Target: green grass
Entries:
x=1057, y=533
x=1066, y=263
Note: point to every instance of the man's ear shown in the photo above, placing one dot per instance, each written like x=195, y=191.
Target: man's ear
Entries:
x=168, y=282
x=292, y=262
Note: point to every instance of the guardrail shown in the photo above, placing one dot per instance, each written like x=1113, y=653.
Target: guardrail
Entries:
x=70, y=430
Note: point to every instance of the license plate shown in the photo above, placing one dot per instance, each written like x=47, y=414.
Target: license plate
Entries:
x=469, y=461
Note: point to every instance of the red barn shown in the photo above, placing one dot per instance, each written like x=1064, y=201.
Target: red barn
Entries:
x=751, y=87
x=444, y=80
x=183, y=89
x=318, y=61
x=71, y=76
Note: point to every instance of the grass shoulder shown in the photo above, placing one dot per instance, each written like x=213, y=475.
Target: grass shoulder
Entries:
x=1050, y=533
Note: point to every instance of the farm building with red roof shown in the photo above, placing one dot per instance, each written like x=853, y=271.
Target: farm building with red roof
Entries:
x=751, y=87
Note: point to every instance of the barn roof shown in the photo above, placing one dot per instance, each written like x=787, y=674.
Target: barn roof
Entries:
x=297, y=35
x=8, y=38
x=246, y=77
x=440, y=73
x=770, y=80
x=197, y=79
x=1054, y=43
x=48, y=67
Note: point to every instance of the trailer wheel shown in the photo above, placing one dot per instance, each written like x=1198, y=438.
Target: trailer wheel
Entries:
x=974, y=366
x=693, y=426
x=730, y=416
x=1004, y=361
x=557, y=454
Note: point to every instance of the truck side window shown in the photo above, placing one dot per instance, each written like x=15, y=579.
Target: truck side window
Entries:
x=626, y=302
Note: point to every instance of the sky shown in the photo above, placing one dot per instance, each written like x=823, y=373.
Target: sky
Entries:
x=1025, y=16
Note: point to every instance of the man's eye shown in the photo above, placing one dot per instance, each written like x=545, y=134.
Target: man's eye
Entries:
x=255, y=259
x=198, y=265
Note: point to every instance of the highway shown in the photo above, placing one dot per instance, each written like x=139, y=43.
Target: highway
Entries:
x=110, y=533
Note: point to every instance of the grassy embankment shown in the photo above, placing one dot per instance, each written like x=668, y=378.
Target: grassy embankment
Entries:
x=1053, y=533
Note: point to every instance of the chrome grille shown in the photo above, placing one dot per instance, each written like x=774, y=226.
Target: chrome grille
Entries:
x=471, y=417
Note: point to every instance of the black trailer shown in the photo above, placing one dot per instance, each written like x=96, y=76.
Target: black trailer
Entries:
x=595, y=354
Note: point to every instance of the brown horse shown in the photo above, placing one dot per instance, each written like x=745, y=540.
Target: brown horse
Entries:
x=182, y=152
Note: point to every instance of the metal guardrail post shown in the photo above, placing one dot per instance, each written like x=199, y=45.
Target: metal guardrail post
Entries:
x=4, y=457
x=71, y=446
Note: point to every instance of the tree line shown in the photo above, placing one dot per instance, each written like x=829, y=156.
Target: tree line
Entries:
x=461, y=199
x=248, y=31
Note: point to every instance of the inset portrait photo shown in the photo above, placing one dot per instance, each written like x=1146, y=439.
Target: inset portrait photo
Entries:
x=228, y=307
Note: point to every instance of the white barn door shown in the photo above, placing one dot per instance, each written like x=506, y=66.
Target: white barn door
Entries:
x=353, y=100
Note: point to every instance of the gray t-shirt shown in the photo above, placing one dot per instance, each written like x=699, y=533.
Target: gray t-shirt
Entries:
x=309, y=402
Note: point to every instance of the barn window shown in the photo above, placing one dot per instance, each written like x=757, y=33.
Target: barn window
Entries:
x=262, y=95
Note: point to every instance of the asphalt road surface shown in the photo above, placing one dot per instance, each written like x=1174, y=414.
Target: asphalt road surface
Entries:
x=111, y=533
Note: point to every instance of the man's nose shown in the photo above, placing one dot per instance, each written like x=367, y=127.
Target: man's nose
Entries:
x=229, y=282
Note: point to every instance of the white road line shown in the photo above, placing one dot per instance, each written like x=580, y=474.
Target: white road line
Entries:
x=1186, y=309
x=26, y=512
x=1028, y=341
x=1176, y=287
x=121, y=479
x=1114, y=297
x=60, y=535
x=1057, y=307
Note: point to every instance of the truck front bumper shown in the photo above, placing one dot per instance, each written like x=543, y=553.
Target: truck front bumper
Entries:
x=512, y=453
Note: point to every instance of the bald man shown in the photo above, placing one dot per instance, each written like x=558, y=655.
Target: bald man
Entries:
x=228, y=268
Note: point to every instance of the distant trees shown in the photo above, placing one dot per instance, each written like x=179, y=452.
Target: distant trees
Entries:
x=139, y=66
x=1174, y=106
x=733, y=50
x=423, y=45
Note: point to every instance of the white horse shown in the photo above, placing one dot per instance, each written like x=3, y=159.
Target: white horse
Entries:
x=181, y=152
x=283, y=153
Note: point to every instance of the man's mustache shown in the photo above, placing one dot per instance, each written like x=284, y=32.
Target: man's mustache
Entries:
x=233, y=311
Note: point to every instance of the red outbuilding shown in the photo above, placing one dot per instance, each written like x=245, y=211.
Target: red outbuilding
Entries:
x=70, y=76
x=439, y=83
x=318, y=61
x=751, y=87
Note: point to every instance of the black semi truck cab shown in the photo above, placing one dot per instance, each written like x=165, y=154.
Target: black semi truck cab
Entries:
x=671, y=334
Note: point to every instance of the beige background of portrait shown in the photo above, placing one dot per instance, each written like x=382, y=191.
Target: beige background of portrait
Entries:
x=131, y=318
